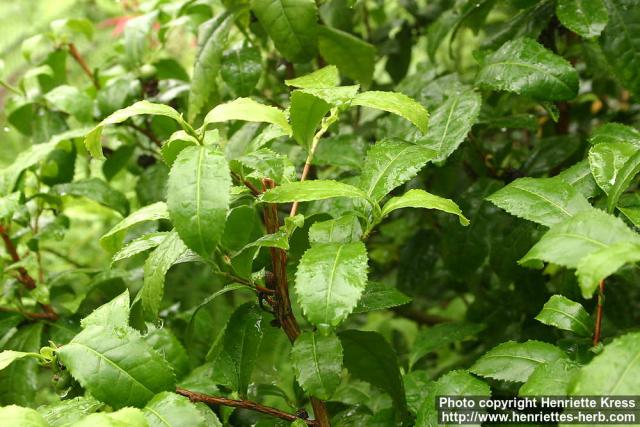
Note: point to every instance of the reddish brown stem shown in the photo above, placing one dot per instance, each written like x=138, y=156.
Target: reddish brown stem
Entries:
x=31, y=316
x=598, y=324
x=283, y=310
x=73, y=50
x=245, y=404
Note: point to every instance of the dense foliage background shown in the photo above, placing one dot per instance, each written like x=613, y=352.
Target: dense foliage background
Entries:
x=314, y=212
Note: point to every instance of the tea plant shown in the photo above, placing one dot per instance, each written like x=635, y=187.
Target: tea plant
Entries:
x=290, y=212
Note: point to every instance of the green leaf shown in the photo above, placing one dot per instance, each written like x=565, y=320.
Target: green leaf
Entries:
x=291, y=24
x=240, y=347
x=615, y=132
x=621, y=42
x=306, y=113
x=177, y=142
x=330, y=280
x=317, y=361
x=622, y=180
x=451, y=122
x=198, y=197
x=390, y=163
x=568, y=242
x=455, y=383
x=67, y=412
x=421, y=199
x=93, y=139
x=396, y=103
x=513, y=361
x=172, y=410
x=241, y=69
x=550, y=379
x=379, y=296
x=585, y=18
x=212, y=39
x=125, y=417
x=580, y=177
x=601, y=264
x=19, y=381
x=139, y=245
x=170, y=252
x=345, y=229
x=369, y=357
x=440, y=336
x=136, y=37
x=168, y=345
x=606, y=159
x=209, y=299
x=113, y=239
x=613, y=372
x=546, y=201
x=114, y=314
x=304, y=191
x=249, y=110
x=97, y=190
x=72, y=101
x=116, y=366
x=323, y=78
x=354, y=57
x=525, y=67
x=17, y=416
x=9, y=356
x=565, y=314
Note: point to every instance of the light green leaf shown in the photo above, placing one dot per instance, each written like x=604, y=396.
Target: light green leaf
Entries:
x=454, y=383
x=240, y=346
x=125, y=417
x=97, y=190
x=167, y=344
x=306, y=113
x=330, y=280
x=615, y=132
x=396, y=103
x=606, y=159
x=440, y=336
x=66, y=412
x=546, y=201
x=8, y=356
x=620, y=42
x=613, y=372
x=550, y=379
x=369, y=357
x=198, y=197
x=72, y=101
x=212, y=40
x=113, y=239
x=93, y=139
x=525, y=67
x=340, y=96
x=291, y=24
x=168, y=253
x=601, y=264
x=317, y=361
x=451, y=122
x=421, y=199
x=567, y=242
x=513, y=361
x=249, y=110
x=114, y=314
x=379, y=296
x=139, y=245
x=354, y=57
x=324, y=77
x=586, y=18
x=565, y=314
x=116, y=366
x=177, y=142
x=580, y=177
x=304, y=191
x=172, y=410
x=136, y=37
x=622, y=180
x=390, y=163
x=17, y=416
x=345, y=229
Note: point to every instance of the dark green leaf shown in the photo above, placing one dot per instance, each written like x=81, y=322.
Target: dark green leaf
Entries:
x=379, y=296
x=241, y=69
x=621, y=41
x=97, y=190
x=586, y=18
x=354, y=57
x=440, y=336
